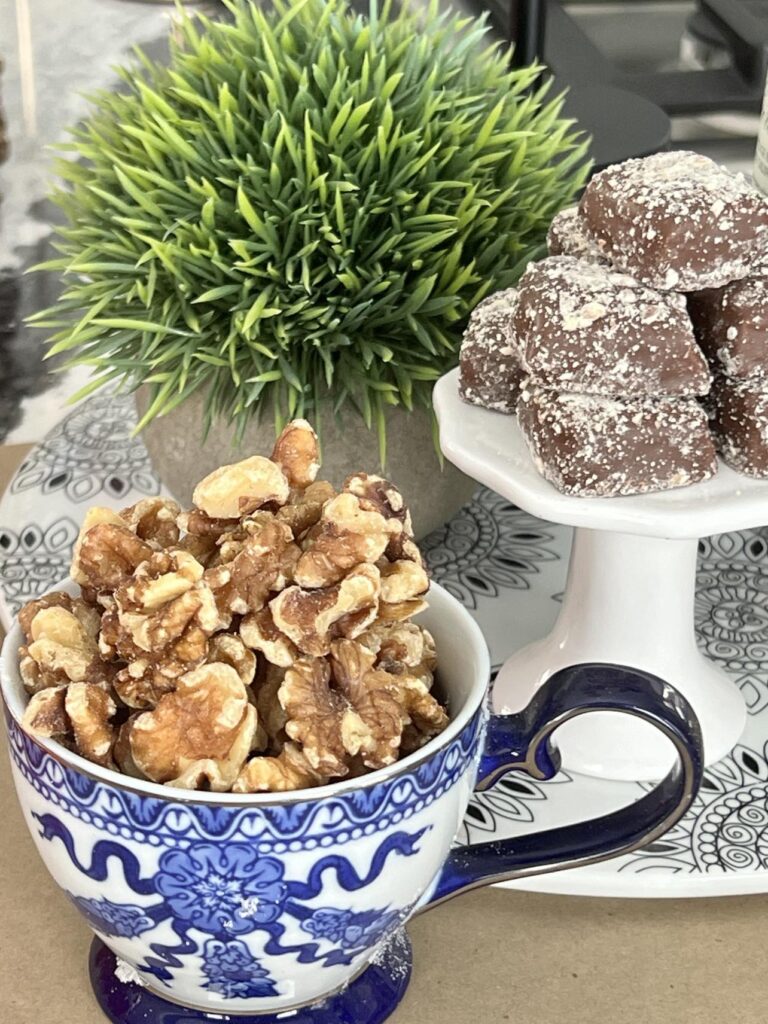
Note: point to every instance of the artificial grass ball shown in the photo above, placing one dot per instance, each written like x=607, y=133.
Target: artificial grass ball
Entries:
x=303, y=202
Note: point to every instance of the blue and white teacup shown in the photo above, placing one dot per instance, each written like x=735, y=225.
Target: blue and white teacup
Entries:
x=261, y=904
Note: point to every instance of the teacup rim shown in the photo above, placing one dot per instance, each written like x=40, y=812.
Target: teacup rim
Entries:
x=173, y=794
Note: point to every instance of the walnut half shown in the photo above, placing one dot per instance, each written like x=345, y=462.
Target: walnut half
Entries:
x=198, y=736
x=347, y=535
x=233, y=491
x=287, y=772
x=313, y=618
x=297, y=453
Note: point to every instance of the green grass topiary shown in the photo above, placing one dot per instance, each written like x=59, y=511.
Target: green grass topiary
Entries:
x=303, y=202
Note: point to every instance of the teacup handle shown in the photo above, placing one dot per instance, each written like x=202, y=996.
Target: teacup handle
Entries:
x=522, y=741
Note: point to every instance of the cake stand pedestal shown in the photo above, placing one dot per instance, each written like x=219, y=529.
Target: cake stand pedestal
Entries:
x=630, y=593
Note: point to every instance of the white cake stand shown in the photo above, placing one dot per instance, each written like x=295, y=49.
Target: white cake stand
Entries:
x=629, y=597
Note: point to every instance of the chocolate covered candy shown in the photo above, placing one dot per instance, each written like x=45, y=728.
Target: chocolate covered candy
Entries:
x=490, y=372
x=591, y=446
x=731, y=326
x=567, y=236
x=589, y=329
x=739, y=418
x=676, y=221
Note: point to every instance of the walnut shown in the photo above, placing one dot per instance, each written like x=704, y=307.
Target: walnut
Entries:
x=233, y=491
x=199, y=524
x=141, y=683
x=405, y=661
x=199, y=735
x=272, y=718
x=297, y=453
x=402, y=581
x=38, y=676
x=121, y=751
x=160, y=626
x=160, y=580
x=255, y=562
x=313, y=618
x=305, y=507
x=230, y=650
x=401, y=610
x=285, y=773
x=93, y=517
x=89, y=708
x=61, y=647
x=402, y=648
x=165, y=614
x=46, y=716
x=219, y=775
x=108, y=555
x=402, y=547
x=56, y=599
x=379, y=495
x=88, y=616
x=347, y=535
x=202, y=533
x=424, y=710
x=374, y=695
x=318, y=717
x=412, y=740
x=34, y=678
x=154, y=519
x=259, y=632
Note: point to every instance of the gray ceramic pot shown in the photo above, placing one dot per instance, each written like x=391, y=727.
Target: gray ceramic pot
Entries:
x=181, y=458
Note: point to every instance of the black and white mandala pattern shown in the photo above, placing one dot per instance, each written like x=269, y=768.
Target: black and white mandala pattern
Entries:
x=491, y=552
x=34, y=560
x=90, y=453
x=511, y=801
x=726, y=830
x=489, y=547
x=732, y=624
x=723, y=550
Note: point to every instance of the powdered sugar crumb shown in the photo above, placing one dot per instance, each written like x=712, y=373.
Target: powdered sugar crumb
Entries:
x=127, y=974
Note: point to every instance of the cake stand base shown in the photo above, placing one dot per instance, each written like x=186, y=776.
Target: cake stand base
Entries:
x=370, y=999
x=629, y=600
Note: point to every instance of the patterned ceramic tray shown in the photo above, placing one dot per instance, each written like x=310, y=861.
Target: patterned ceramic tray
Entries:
x=509, y=569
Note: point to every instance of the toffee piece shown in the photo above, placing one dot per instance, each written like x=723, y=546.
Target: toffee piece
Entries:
x=676, y=221
x=731, y=326
x=739, y=418
x=592, y=446
x=490, y=371
x=592, y=330
x=567, y=236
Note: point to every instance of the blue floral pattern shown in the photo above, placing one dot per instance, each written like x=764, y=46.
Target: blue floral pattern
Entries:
x=308, y=822
x=221, y=897
x=233, y=973
x=123, y=921
x=351, y=930
x=228, y=888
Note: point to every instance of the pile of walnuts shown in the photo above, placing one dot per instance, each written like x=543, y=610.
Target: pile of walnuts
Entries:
x=260, y=642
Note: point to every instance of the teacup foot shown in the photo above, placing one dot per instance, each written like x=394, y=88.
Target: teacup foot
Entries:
x=369, y=999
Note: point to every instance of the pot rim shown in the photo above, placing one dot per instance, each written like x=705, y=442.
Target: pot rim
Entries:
x=442, y=605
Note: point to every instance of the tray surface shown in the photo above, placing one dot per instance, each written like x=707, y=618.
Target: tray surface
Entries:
x=508, y=568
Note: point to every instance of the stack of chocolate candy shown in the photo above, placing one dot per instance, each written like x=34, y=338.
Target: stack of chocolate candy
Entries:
x=597, y=348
